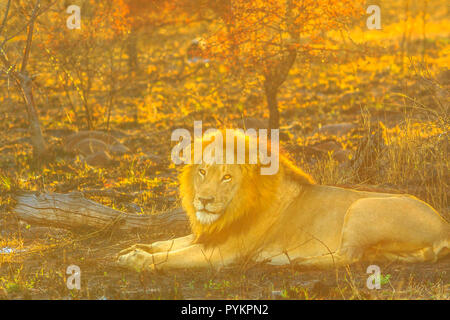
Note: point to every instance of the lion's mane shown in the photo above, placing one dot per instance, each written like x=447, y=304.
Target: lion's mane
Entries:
x=255, y=194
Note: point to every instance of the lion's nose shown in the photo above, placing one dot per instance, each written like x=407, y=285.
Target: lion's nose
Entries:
x=206, y=200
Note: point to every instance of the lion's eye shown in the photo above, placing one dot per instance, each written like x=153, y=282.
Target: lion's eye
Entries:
x=202, y=172
x=226, y=177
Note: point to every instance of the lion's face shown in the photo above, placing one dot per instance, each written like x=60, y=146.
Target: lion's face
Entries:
x=215, y=186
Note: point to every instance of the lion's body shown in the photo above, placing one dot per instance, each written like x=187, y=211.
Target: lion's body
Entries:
x=286, y=218
x=355, y=225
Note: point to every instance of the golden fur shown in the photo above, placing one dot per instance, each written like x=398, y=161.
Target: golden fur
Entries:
x=256, y=191
x=286, y=218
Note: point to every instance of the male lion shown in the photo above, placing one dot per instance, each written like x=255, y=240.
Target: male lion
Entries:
x=237, y=214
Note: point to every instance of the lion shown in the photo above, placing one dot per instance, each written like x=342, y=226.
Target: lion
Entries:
x=238, y=215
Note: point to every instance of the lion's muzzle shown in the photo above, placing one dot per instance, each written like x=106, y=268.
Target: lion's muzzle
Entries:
x=207, y=217
x=207, y=210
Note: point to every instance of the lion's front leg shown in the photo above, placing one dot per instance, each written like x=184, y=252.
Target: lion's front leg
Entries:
x=194, y=256
x=161, y=246
x=136, y=259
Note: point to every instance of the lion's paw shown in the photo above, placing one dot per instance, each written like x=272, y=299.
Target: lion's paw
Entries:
x=136, y=259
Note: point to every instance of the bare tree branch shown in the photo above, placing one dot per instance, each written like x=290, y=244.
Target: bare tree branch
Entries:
x=25, y=26
x=24, y=84
x=30, y=36
x=5, y=18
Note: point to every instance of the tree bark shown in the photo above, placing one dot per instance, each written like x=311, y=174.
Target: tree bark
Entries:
x=272, y=103
x=37, y=139
x=132, y=51
x=24, y=82
x=272, y=83
x=73, y=211
x=87, y=109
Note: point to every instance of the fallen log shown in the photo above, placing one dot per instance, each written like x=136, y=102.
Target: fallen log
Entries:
x=73, y=211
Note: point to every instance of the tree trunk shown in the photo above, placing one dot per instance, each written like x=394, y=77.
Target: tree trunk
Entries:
x=88, y=111
x=37, y=139
x=272, y=83
x=24, y=83
x=73, y=211
x=272, y=104
x=132, y=51
x=133, y=60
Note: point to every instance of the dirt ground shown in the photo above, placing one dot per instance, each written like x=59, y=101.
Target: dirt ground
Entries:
x=42, y=275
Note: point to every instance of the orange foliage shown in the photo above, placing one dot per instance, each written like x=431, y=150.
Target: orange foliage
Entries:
x=257, y=33
x=155, y=13
x=100, y=20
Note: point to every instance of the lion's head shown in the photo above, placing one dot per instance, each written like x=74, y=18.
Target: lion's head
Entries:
x=222, y=199
x=215, y=186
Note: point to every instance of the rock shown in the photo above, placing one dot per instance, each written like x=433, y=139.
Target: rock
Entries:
x=95, y=146
x=118, y=134
x=328, y=145
x=99, y=159
x=58, y=132
x=89, y=146
x=338, y=129
x=118, y=148
x=72, y=140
